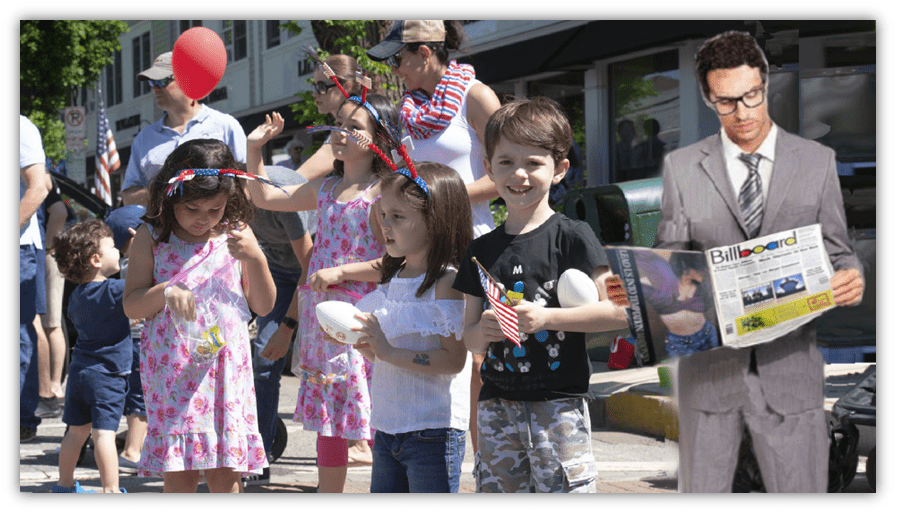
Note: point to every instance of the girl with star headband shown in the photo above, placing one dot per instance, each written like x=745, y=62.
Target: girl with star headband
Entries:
x=332, y=373
x=196, y=273
x=412, y=328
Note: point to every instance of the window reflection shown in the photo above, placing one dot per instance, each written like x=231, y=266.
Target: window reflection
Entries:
x=645, y=106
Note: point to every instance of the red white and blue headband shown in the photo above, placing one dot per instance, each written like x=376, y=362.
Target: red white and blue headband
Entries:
x=177, y=182
x=365, y=142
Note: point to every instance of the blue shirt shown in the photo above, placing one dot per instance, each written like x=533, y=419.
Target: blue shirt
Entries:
x=104, y=332
x=155, y=142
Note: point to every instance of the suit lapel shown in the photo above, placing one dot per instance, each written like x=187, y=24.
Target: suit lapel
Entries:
x=715, y=167
x=784, y=168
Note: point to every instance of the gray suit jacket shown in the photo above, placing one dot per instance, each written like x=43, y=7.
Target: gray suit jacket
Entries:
x=700, y=211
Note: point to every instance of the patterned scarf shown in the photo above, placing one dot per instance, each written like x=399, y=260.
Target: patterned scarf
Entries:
x=424, y=117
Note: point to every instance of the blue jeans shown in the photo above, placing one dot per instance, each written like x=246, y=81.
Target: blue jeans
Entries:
x=134, y=403
x=267, y=373
x=426, y=461
x=704, y=339
x=28, y=382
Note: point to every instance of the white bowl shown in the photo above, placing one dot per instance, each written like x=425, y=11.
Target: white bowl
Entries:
x=575, y=288
x=337, y=318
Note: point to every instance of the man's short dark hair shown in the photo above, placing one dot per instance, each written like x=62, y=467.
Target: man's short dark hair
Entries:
x=730, y=49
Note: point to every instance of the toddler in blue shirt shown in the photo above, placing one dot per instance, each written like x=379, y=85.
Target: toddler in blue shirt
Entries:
x=101, y=358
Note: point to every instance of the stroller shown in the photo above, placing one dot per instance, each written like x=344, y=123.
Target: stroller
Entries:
x=857, y=407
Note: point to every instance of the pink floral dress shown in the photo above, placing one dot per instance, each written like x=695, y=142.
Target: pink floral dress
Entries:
x=334, y=398
x=201, y=403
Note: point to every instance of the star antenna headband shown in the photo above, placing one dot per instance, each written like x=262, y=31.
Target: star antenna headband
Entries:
x=177, y=182
x=363, y=141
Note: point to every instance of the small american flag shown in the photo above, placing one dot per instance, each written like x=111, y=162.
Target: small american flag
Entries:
x=508, y=319
x=106, y=159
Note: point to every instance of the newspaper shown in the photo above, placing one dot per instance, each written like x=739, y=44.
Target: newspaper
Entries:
x=735, y=296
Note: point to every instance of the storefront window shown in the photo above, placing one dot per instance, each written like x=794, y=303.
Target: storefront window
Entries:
x=645, y=114
x=567, y=89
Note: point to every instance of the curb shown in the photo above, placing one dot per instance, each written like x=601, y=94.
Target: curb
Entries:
x=634, y=400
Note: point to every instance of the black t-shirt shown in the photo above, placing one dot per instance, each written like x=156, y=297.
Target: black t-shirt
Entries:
x=550, y=364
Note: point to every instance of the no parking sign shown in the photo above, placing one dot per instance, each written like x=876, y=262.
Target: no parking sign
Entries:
x=75, y=128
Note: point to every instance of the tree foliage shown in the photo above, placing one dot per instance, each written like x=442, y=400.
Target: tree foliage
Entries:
x=56, y=58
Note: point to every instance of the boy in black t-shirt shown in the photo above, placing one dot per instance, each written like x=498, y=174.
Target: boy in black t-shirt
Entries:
x=102, y=356
x=532, y=407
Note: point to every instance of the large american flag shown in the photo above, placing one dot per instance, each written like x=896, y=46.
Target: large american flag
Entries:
x=508, y=319
x=107, y=159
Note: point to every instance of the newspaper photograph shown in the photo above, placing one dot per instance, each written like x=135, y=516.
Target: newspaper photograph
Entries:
x=681, y=302
x=671, y=307
x=766, y=287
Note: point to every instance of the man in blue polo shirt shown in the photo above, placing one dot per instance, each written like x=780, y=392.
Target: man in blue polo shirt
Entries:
x=184, y=119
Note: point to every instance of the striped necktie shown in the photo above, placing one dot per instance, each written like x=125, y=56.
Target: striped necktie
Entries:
x=751, y=197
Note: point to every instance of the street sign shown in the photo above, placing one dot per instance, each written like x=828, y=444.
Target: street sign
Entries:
x=75, y=128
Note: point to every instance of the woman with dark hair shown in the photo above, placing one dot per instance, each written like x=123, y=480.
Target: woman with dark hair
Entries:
x=445, y=108
x=444, y=112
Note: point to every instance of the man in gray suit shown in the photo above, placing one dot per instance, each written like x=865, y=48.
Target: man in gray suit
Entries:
x=714, y=197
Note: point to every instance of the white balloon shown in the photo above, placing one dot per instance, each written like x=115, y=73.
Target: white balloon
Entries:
x=575, y=288
x=337, y=318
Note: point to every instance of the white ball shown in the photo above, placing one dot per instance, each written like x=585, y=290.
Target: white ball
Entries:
x=337, y=318
x=575, y=288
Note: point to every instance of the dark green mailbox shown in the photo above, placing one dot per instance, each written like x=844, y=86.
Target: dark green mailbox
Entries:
x=625, y=213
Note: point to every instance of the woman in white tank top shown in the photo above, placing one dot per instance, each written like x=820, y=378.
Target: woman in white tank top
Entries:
x=445, y=109
x=443, y=116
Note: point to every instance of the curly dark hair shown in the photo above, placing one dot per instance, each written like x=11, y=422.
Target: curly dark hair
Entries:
x=74, y=248
x=196, y=154
x=730, y=49
x=447, y=213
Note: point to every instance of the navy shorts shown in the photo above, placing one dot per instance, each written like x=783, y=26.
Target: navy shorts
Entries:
x=94, y=397
x=134, y=404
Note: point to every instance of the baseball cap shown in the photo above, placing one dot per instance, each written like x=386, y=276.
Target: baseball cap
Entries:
x=403, y=32
x=160, y=70
x=123, y=218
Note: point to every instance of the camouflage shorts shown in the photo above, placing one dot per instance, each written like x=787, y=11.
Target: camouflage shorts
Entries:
x=534, y=446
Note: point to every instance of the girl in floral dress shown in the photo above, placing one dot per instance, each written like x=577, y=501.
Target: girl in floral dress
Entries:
x=333, y=397
x=195, y=272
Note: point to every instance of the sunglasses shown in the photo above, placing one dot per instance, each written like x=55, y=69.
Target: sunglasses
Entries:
x=321, y=88
x=161, y=83
x=394, y=61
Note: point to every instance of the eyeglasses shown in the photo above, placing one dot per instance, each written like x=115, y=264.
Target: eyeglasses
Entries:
x=394, y=61
x=751, y=99
x=161, y=83
x=321, y=87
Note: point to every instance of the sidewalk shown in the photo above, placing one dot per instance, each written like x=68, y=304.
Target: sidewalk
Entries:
x=634, y=433
x=635, y=400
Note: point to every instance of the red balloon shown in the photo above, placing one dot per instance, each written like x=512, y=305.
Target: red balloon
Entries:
x=199, y=60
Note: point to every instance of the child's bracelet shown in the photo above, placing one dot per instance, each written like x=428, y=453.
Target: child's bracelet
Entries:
x=166, y=292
